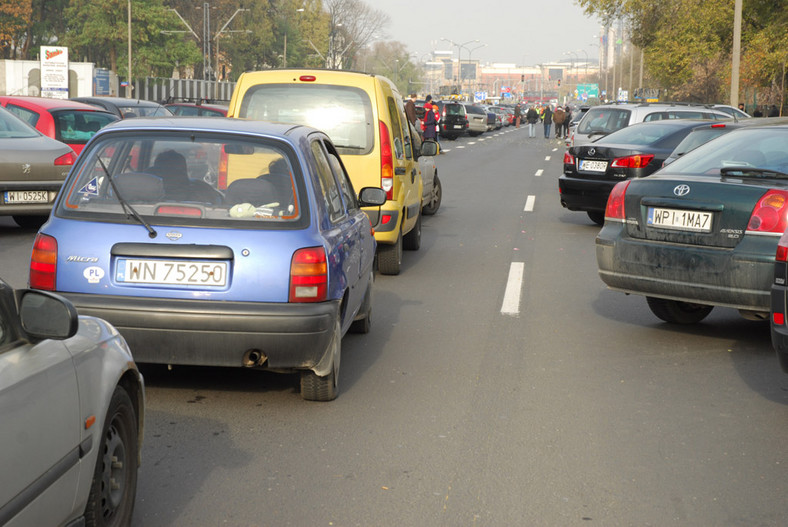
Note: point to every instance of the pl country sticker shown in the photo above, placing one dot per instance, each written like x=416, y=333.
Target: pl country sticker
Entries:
x=93, y=274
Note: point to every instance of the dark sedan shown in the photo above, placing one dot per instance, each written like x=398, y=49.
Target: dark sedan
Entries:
x=592, y=170
x=703, y=231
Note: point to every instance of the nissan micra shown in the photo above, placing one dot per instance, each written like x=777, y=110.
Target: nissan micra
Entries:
x=216, y=242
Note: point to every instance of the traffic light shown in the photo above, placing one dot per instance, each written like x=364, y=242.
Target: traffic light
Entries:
x=559, y=82
x=522, y=78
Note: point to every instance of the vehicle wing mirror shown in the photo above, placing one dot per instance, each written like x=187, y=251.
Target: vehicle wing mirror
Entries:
x=45, y=315
x=372, y=197
x=429, y=148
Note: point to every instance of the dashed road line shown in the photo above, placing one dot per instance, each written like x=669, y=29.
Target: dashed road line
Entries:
x=529, y=203
x=539, y=172
x=511, y=296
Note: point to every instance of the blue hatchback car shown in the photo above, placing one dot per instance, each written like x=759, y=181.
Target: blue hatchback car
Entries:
x=217, y=242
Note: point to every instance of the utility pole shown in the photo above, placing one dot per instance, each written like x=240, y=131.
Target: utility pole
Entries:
x=128, y=79
x=736, y=53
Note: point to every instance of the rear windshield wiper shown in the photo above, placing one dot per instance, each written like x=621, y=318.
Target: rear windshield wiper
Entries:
x=127, y=208
x=753, y=171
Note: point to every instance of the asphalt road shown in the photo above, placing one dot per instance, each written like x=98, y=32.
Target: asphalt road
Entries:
x=501, y=385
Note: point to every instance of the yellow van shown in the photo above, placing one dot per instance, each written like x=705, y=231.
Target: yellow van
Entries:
x=365, y=117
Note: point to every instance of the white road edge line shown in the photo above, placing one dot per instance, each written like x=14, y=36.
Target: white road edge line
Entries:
x=529, y=203
x=511, y=297
x=539, y=172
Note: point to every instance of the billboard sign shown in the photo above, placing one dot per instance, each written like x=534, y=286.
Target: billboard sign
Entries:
x=54, y=72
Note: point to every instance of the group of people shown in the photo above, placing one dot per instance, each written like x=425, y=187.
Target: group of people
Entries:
x=430, y=123
x=561, y=117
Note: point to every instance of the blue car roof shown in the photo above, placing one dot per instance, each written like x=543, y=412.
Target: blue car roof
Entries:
x=212, y=124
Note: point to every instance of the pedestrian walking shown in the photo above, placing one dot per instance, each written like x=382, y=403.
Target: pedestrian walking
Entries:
x=429, y=125
x=532, y=117
x=558, y=119
x=517, y=115
x=547, y=120
x=567, y=121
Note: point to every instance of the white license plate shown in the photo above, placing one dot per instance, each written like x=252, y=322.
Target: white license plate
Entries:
x=171, y=272
x=26, y=196
x=685, y=220
x=457, y=126
x=593, y=166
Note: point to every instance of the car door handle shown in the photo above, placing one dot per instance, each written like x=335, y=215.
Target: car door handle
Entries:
x=399, y=171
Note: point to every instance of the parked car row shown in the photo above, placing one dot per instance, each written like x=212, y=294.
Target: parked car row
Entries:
x=694, y=213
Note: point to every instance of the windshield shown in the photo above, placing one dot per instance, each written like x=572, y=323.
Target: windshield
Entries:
x=641, y=134
x=604, y=120
x=195, y=178
x=342, y=112
x=765, y=148
x=77, y=126
x=12, y=127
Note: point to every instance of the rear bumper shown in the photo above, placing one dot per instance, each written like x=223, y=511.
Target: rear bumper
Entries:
x=584, y=194
x=739, y=278
x=779, y=298
x=173, y=331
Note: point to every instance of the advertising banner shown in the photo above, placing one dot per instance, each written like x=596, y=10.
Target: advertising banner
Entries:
x=54, y=72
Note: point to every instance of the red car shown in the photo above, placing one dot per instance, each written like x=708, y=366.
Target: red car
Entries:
x=67, y=121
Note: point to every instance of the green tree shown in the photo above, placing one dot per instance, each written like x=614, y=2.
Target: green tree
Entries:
x=97, y=30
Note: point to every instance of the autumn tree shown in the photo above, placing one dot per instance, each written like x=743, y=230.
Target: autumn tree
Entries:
x=352, y=26
x=14, y=21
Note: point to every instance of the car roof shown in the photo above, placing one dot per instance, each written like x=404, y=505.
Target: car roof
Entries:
x=49, y=103
x=210, y=124
x=123, y=101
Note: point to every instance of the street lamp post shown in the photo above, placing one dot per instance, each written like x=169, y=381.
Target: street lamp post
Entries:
x=471, y=63
x=287, y=27
x=459, y=56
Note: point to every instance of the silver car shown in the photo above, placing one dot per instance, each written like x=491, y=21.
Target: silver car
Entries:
x=71, y=407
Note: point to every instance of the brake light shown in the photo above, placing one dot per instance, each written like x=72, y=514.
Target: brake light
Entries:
x=569, y=159
x=66, y=159
x=636, y=161
x=43, y=263
x=778, y=318
x=386, y=161
x=307, y=78
x=615, y=202
x=309, y=275
x=770, y=213
x=221, y=178
x=718, y=125
x=782, y=249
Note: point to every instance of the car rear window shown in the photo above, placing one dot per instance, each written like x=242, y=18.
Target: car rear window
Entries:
x=454, y=109
x=143, y=111
x=13, y=128
x=77, y=126
x=651, y=134
x=191, y=179
x=604, y=120
x=764, y=148
x=344, y=113
x=698, y=137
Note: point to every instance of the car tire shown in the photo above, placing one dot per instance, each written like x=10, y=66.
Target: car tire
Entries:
x=677, y=312
x=114, y=487
x=326, y=388
x=434, y=202
x=364, y=323
x=412, y=240
x=390, y=257
x=30, y=222
x=596, y=216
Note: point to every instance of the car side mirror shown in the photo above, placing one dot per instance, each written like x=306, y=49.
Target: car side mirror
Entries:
x=372, y=197
x=429, y=148
x=45, y=315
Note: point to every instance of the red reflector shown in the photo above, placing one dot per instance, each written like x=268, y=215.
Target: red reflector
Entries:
x=173, y=210
x=66, y=159
x=778, y=319
x=307, y=78
x=386, y=218
x=43, y=263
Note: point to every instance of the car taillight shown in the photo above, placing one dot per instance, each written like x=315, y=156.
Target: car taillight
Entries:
x=569, y=159
x=309, y=275
x=386, y=161
x=782, y=248
x=615, y=202
x=636, y=161
x=43, y=263
x=770, y=213
x=66, y=159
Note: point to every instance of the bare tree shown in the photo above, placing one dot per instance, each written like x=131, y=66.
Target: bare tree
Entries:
x=352, y=25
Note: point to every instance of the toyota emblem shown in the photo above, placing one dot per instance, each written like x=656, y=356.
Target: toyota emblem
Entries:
x=592, y=151
x=681, y=190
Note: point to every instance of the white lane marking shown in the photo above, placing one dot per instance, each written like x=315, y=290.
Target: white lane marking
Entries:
x=472, y=143
x=458, y=147
x=539, y=172
x=547, y=158
x=529, y=203
x=511, y=297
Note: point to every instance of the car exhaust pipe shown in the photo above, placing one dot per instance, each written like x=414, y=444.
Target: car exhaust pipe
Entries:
x=253, y=358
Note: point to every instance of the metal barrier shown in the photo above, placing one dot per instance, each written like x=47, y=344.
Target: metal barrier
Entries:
x=160, y=89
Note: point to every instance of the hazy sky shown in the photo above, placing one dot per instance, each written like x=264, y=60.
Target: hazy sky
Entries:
x=525, y=33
